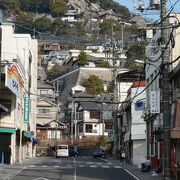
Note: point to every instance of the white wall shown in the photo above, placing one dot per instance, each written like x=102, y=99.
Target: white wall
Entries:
x=138, y=125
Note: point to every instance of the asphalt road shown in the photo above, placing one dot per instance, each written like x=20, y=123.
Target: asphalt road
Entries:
x=79, y=168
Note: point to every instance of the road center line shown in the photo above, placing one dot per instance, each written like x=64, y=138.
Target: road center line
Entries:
x=74, y=168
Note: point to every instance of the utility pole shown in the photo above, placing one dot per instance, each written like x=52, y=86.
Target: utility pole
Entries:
x=165, y=94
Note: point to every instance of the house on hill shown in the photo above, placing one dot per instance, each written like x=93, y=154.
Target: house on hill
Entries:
x=108, y=14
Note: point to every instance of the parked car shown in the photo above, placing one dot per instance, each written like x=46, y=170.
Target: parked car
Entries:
x=99, y=153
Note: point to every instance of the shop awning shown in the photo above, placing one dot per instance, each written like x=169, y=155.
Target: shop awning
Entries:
x=27, y=134
x=127, y=136
x=3, y=108
x=7, y=130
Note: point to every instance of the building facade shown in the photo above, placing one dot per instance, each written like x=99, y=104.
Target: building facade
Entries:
x=18, y=93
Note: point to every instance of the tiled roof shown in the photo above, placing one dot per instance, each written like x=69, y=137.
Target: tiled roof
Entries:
x=89, y=105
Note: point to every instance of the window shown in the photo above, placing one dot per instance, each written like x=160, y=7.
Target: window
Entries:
x=94, y=114
x=89, y=128
x=139, y=105
x=42, y=110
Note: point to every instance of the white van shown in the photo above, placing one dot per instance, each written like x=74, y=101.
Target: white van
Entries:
x=62, y=151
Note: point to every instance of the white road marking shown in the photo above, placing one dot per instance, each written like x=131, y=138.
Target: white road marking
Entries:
x=106, y=161
x=92, y=166
x=99, y=163
x=119, y=167
x=80, y=166
x=32, y=166
x=105, y=166
x=12, y=175
x=44, y=166
x=89, y=162
x=132, y=174
x=56, y=166
x=74, y=168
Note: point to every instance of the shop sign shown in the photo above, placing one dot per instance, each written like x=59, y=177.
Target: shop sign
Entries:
x=14, y=80
x=155, y=102
x=26, y=109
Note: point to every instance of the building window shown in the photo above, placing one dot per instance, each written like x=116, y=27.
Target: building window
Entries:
x=89, y=128
x=139, y=105
x=94, y=115
x=42, y=110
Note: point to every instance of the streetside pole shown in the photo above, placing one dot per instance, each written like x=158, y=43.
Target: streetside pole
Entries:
x=165, y=95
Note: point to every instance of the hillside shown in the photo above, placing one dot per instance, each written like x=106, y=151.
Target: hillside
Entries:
x=43, y=18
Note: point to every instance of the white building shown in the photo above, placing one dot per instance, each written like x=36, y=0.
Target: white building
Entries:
x=18, y=92
x=132, y=126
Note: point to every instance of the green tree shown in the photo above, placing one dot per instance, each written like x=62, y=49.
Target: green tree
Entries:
x=43, y=24
x=56, y=71
x=57, y=7
x=82, y=59
x=136, y=51
x=101, y=141
x=103, y=64
x=106, y=26
x=25, y=20
x=57, y=26
x=94, y=85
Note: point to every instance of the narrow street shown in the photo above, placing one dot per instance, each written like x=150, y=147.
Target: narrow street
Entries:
x=80, y=168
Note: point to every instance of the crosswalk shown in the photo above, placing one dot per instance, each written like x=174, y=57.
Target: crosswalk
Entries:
x=86, y=165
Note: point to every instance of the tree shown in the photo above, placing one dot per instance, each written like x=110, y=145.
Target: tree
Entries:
x=58, y=7
x=57, y=26
x=82, y=59
x=93, y=85
x=101, y=141
x=56, y=71
x=43, y=24
x=24, y=20
x=105, y=26
x=136, y=51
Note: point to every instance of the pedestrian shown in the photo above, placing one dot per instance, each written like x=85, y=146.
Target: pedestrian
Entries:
x=123, y=156
x=9, y=155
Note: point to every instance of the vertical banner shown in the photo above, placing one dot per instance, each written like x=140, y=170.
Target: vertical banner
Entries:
x=26, y=109
x=155, y=102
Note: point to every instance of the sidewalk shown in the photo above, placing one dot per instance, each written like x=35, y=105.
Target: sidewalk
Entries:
x=137, y=171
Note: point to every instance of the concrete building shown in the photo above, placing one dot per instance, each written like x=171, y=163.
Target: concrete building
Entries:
x=18, y=93
x=132, y=125
x=152, y=113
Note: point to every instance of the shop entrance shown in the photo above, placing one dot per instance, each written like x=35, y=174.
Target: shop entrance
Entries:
x=5, y=141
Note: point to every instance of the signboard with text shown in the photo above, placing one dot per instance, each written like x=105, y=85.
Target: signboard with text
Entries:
x=14, y=80
x=26, y=109
x=155, y=102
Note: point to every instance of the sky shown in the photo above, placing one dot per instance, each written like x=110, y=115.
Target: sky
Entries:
x=149, y=14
